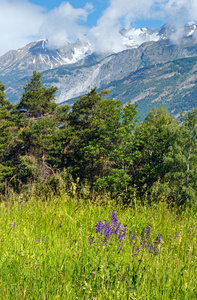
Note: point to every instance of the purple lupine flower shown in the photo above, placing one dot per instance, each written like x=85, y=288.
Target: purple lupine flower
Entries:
x=176, y=236
x=122, y=233
x=91, y=238
x=99, y=226
x=133, y=237
x=137, y=250
x=114, y=218
x=13, y=225
x=158, y=239
x=142, y=239
x=120, y=246
x=117, y=229
x=107, y=231
x=148, y=230
x=148, y=247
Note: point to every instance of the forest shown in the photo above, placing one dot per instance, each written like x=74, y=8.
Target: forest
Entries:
x=96, y=145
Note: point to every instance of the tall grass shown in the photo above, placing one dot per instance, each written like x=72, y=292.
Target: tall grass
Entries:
x=45, y=251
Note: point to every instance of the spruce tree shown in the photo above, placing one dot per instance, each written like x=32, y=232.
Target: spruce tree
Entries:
x=36, y=99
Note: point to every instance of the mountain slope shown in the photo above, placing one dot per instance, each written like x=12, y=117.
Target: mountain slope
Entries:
x=75, y=69
x=173, y=85
x=75, y=80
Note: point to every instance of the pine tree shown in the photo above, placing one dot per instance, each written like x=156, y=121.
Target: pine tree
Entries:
x=8, y=139
x=36, y=99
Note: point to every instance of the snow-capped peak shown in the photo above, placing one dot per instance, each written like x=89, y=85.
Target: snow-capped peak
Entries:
x=134, y=37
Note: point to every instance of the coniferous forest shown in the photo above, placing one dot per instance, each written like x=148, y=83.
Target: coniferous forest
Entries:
x=95, y=204
x=97, y=144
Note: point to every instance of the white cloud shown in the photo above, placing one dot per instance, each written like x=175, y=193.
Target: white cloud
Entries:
x=119, y=13
x=19, y=21
x=61, y=24
x=123, y=13
x=22, y=22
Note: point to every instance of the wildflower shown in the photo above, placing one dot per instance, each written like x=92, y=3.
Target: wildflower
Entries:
x=117, y=229
x=137, y=250
x=91, y=238
x=13, y=225
x=142, y=239
x=148, y=230
x=108, y=232
x=148, y=247
x=114, y=218
x=122, y=233
x=99, y=226
x=158, y=239
x=133, y=237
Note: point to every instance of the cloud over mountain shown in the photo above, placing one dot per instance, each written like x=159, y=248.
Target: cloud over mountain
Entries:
x=61, y=24
x=122, y=13
x=22, y=21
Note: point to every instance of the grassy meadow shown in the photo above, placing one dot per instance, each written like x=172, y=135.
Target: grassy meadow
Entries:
x=58, y=249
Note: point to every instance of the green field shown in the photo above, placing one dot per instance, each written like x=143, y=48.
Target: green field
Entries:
x=46, y=250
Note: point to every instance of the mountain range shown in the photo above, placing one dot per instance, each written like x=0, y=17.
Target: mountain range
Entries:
x=154, y=67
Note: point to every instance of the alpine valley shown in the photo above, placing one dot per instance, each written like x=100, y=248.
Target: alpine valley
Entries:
x=154, y=68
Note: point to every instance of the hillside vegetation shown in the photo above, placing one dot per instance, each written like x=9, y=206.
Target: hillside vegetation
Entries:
x=173, y=85
x=98, y=143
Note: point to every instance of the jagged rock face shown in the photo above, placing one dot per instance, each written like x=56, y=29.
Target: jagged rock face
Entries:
x=75, y=69
x=38, y=55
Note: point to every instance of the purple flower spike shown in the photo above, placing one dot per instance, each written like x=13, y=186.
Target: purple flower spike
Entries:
x=133, y=237
x=14, y=225
x=99, y=226
x=148, y=230
x=91, y=238
x=114, y=218
x=148, y=246
x=137, y=251
x=142, y=240
x=119, y=247
x=158, y=239
x=122, y=233
x=117, y=229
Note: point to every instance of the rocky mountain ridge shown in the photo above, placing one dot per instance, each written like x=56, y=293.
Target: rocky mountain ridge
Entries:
x=76, y=68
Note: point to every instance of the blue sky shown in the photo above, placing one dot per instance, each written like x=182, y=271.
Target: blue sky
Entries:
x=24, y=21
x=98, y=7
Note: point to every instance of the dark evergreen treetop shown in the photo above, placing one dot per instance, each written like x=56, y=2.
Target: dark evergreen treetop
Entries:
x=38, y=100
x=3, y=102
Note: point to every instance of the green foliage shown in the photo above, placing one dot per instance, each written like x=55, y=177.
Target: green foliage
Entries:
x=153, y=138
x=9, y=139
x=36, y=99
x=181, y=161
x=100, y=145
x=3, y=102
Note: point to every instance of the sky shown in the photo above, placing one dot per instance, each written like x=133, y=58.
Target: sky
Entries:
x=24, y=21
